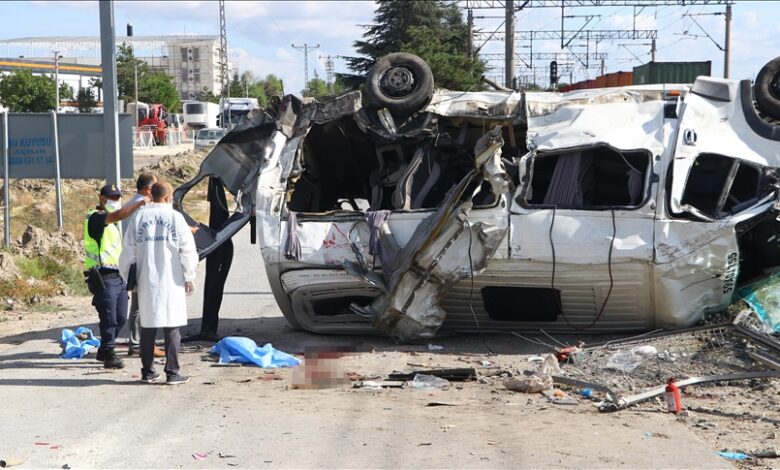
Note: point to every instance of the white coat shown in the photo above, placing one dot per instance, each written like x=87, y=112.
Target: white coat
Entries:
x=160, y=243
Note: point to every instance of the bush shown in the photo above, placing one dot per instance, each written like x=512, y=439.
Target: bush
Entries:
x=59, y=271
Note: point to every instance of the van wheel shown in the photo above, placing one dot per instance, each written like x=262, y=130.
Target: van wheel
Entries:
x=767, y=88
x=400, y=82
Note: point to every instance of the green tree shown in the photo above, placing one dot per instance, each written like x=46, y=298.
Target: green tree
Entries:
x=392, y=20
x=157, y=87
x=86, y=100
x=66, y=92
x=23, y=92
x=236, y=86
x=126, y=64
x=273, y=85
x=433, y=30
x=316, y=88
x=206, y=95
x=98, y=85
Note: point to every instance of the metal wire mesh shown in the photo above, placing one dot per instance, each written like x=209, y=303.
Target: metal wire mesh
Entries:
x=694, y=353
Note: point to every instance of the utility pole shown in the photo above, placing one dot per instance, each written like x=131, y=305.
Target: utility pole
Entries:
x=305, y=48
x=110, y=115
x=652, y=50
x=727, y=47
x=509, y=44
x=470, y=20
x=329, y=67
x=223, y=52
x=57, y=58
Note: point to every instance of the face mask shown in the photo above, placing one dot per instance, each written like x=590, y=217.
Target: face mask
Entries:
x=112, y=206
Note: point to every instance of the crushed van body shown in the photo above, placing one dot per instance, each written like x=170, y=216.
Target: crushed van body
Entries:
x=619, y=209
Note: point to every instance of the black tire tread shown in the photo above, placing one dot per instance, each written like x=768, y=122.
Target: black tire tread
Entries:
x=766, y=101
x=406, y=105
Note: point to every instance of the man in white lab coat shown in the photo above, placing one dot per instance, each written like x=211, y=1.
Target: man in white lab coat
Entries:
x=160, y=243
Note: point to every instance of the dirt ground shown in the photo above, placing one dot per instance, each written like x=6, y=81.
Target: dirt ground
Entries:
x=59, y=412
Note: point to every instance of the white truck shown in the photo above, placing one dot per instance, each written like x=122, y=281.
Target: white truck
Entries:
x=200, y=114
x=233, y=110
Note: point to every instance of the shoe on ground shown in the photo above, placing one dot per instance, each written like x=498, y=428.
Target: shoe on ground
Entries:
x=150, y=378
x=133, y=351
x=177, y=379
x=113, y=361
x=159, y=352
x=100, y=356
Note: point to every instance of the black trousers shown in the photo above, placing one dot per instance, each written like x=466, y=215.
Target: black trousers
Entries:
x=172, y=346
x=217, y=268
x=111, y=305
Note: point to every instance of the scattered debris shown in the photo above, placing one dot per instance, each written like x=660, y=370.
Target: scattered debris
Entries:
x=377, y=385
x=558, y=397
x=626, y=361
x=10, y=462
x=535, y=383
x=770, y=453
x=199, y=455
x=225, y=456
x=733, y=455
x=429, y=382
x=455, y=375
x=441, y=403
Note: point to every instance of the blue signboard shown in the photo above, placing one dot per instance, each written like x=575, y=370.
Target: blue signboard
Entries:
x=31, y=146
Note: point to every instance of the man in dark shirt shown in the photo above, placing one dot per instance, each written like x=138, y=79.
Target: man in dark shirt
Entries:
x=103, y=245
x=217, y=266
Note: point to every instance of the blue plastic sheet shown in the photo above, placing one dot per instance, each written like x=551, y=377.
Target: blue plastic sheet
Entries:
x=73, y=347
x=733, y=455
x=245, y=351
x=764, y=298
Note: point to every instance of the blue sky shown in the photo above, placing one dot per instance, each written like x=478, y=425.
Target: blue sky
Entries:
x=260, y=34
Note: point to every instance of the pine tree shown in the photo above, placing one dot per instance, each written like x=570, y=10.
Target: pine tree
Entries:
x=433, y=30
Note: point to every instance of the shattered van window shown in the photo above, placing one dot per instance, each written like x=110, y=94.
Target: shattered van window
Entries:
x=591, y=178
x=719, y=186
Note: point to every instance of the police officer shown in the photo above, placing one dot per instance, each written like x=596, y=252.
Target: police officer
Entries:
x=103, y=245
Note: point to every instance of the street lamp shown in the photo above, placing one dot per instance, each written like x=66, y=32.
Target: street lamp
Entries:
x=57, y=58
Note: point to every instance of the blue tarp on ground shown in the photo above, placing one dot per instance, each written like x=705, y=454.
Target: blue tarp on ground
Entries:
x=245, y=351
x=73, y=347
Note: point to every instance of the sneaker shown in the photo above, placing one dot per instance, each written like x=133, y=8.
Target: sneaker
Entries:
x=159, y=352
x=150, y=378
x=133, y=351
x=112, y=361
x=177, y=379
x=100, y=356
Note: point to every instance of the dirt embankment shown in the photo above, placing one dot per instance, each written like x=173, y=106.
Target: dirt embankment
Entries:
x=44, y=262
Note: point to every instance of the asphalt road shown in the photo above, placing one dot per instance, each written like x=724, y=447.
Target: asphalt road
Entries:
x=57, y=412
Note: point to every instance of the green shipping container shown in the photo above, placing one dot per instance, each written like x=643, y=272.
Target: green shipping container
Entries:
x=670, y=72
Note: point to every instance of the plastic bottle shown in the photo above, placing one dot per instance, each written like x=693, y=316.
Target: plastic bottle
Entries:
x=672, y=395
